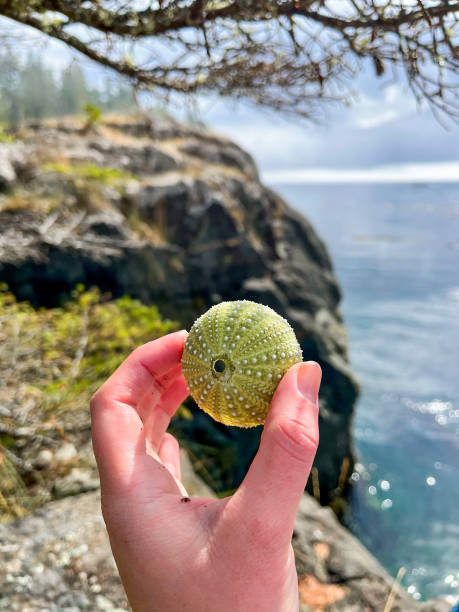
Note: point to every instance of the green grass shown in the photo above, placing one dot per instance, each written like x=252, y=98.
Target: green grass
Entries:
x=90, y=172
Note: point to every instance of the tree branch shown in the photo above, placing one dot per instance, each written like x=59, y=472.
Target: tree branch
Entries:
x=292, y=55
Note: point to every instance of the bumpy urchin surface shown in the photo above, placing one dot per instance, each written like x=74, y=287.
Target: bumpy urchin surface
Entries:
x=235, y=356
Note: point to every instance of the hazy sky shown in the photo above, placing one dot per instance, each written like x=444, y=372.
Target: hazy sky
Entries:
x=383, y=128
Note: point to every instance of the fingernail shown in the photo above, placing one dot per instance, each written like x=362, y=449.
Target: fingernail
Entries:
x=309, y=377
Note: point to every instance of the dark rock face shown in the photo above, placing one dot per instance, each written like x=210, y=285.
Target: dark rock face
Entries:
x=193, y=227
x=60, y=559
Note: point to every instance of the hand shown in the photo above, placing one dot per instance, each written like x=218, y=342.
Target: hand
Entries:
x=199, y=555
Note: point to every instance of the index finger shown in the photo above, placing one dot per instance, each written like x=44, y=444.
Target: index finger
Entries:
x=142, y=370
x=117, y=429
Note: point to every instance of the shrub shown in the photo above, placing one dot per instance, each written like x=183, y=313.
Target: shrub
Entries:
x=93, y=115
x=51, y=362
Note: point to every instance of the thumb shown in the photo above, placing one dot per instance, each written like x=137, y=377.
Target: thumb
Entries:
x=275, y=482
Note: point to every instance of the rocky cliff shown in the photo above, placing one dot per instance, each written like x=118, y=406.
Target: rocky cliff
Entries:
x=175, y=216
x=59, y=559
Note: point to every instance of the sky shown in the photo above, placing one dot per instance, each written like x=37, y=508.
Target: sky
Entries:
x=384, y=136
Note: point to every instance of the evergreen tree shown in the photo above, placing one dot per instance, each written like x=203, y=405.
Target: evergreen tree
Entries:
x=38, y=89
x=10, y=88
x=73, y=94
x=30, y=89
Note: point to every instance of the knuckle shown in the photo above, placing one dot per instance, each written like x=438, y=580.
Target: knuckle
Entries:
x=171, y=440
x=94, y=402
x=98, y=399
x=295, y=439
x=138, y=356
x=98, y=402
x=174, y=440
x=137, y=352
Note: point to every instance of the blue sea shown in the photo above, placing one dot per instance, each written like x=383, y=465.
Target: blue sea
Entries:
x=395, y=250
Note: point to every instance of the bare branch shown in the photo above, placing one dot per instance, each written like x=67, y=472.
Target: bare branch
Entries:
x=291, y=55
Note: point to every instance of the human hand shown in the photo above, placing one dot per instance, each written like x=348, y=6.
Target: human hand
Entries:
x=199, y=555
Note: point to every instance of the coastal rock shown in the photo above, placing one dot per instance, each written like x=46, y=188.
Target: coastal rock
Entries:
x=11, y=162
x=79, y=480
x=337, y=573
x=108, y=224
x=188, y=225
x=214, y=153
x=66, y=453
x=138, y=160
x=44, y=459
x=59, y=558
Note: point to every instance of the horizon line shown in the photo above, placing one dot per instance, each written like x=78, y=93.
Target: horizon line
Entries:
x=422, y=172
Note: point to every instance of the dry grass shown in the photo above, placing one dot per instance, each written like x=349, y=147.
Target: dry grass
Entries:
x=24, y=200
x=120, y=138
x=152, y=233
x=14, y=501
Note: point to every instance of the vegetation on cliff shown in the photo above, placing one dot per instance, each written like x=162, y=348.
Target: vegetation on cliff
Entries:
x=51, y=362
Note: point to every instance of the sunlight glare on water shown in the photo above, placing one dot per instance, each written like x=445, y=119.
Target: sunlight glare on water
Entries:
x=395, y=250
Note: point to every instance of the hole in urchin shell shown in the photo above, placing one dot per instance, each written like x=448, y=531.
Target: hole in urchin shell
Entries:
x=219, y=366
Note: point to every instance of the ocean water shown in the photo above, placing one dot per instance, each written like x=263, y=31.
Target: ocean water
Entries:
x=395, y=250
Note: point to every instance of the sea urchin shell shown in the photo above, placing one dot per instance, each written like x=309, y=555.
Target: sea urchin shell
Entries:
x=235, y=356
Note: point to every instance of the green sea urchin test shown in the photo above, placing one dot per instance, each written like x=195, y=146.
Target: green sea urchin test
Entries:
x=235, y=356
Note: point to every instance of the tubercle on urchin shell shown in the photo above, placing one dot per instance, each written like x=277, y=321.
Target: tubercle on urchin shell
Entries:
x=254, y=347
